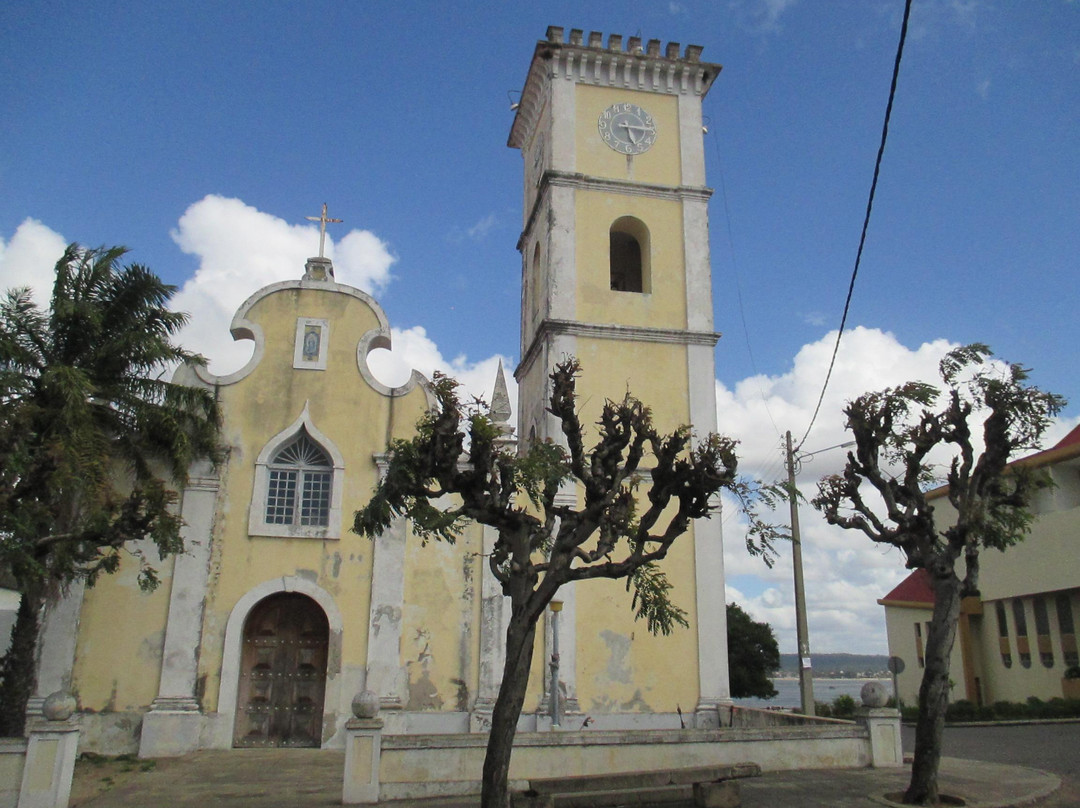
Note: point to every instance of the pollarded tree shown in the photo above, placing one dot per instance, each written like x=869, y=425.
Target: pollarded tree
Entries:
x=541, y=544
x=93, y=443
x=753, y=655
x=895, y=432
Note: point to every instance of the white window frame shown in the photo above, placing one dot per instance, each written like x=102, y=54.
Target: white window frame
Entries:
x=302, y=325
x=257, y=524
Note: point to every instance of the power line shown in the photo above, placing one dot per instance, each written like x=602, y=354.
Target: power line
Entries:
x=866, y=219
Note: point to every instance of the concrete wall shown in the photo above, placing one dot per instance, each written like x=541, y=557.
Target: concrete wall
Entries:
x=12, y=761
x=419, y=766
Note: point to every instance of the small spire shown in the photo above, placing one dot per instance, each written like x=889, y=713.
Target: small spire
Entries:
x=500, y=403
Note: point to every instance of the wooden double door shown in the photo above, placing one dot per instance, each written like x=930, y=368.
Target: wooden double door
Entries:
x=282, y=674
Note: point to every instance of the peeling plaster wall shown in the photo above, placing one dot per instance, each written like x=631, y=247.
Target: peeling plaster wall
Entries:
x=438, y=650
x=121, y=622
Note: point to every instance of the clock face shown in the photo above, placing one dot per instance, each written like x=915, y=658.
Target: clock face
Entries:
x=627, y=128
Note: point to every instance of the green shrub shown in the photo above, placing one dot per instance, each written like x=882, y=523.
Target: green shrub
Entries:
x=822, y=710
x=843, y=707
x=961, y=710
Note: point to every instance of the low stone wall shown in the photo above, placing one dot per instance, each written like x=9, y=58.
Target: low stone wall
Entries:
x=413, y=767
x=12, y=760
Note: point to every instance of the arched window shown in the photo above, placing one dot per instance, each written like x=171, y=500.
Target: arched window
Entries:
x=1067, y=629
x=628, y=250
x=1003, y=635
x=1042, y=632
x=299, y=478
x=1023, y=647
x=299, y=484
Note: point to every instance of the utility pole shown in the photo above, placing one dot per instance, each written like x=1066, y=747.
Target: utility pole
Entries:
x=806, y=675
x=556, y=607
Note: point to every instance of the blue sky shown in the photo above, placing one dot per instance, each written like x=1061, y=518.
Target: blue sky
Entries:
x=200, y=134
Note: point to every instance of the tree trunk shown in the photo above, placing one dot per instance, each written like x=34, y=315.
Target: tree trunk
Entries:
x=934, y=691
x=520, y=637
x=18, y=674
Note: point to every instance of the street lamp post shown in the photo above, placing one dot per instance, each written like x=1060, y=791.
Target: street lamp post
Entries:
x=556, y=607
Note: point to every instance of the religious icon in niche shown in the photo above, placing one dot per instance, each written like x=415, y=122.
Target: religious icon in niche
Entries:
x=312, y=341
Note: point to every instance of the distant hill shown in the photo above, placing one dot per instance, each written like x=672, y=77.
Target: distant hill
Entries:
x=835, y=664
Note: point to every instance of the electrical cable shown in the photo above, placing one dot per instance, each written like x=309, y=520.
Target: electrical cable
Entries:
x=866, y=220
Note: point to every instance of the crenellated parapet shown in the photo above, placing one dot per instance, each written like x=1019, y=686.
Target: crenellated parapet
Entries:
x=640, y=65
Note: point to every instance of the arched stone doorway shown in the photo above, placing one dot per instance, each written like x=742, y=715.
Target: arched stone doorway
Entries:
x=279, y=700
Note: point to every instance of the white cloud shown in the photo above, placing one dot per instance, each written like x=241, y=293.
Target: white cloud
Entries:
x=479, y=230
x=412, y=348
x=241, y=249
x=761, y=15
x=845, y=573
x=28, y=259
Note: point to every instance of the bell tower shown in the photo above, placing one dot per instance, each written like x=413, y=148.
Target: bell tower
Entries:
x=615, y=271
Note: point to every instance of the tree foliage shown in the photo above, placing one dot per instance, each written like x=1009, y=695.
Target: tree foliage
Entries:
x=753, y=655
x=638, y=490
x=92, y=441
x=884, y=494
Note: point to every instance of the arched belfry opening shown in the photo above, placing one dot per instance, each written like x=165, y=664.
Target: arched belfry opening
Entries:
x=629, y=255
x=279, y=701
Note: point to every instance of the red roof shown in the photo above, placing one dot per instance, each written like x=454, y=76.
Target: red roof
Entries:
x=1070, y=439
x=913, y=589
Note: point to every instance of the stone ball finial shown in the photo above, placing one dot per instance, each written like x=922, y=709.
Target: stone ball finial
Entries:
x=59, y=706
x=874, y=694
x=365, y=704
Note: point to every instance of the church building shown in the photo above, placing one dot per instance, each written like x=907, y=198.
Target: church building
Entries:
x=277, y=615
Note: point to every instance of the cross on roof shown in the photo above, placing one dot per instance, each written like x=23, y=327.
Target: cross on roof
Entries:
x=322, y=220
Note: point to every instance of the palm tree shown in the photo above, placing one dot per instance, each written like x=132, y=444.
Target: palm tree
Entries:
x=93, y=441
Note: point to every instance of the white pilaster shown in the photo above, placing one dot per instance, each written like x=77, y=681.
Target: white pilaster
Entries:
x=56, y=645
x=385, y=675
x=174, y=724
x=494, y=617
x=713, y=675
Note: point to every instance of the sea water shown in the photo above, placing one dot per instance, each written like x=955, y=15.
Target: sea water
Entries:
x=788, y=696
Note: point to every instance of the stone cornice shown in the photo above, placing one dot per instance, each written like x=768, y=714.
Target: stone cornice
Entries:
x=636, y=68
x=626, y=333
x=584, y=182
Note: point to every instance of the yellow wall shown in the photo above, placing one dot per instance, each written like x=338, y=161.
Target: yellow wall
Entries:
x=659, y=165
x=121, y=633
x=664, y=304
x=356, y=418
x=439, y=641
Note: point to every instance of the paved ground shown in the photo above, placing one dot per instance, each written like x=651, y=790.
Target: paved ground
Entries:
x=1052, y=747
x=307, y=779
x=301, y=778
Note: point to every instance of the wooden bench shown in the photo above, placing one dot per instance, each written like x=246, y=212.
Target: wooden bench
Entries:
x=705, y=787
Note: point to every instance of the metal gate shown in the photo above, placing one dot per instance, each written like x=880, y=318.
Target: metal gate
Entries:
x=282, y=674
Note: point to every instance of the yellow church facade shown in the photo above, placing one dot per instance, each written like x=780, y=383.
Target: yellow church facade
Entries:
x=276, y=615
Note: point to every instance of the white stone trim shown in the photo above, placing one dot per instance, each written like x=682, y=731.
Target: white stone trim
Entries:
x=691, y=140
x=713, y=674
x=494, y=617
x=380, y=338
x=243, y=328
x=302, y=326
x=335, y=699
x=57, y=642
x=257, y=525
x=386, y=677
x=699, y=306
